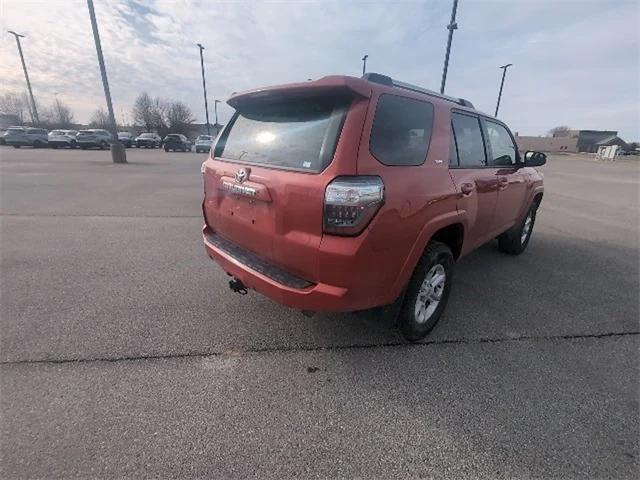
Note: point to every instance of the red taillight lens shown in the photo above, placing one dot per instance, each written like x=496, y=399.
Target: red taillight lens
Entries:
x=350, y=203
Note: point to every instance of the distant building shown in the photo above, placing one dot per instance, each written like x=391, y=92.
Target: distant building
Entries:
x=547, y=144
x=574, y=141
x=8, y=120
x=201, y=129
x=590, y=140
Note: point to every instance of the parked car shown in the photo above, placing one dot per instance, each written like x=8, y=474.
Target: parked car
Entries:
x=62, y=138
x=26, y=137
x=176, y=141
x=364, y=193
x=94, y=138
x=203, y=143
x=148, y=140
x=126, y=138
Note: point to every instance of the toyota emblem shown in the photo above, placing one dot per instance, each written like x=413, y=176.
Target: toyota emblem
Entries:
x=242, y=175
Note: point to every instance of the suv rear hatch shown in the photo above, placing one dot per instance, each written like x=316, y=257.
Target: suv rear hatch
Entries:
x=265, y=185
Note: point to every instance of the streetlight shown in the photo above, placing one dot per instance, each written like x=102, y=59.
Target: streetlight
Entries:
x=215, y=108
x=451, y=27
x=118, y=153
x=204, y=88
x=364, y=64
x=504, y=73
x=34, y=111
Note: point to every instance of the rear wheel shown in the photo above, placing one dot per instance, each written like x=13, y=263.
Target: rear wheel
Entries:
x=54, y=146
x=427, y=293
x=166, y=149
x=515, y=240
x=16, y=146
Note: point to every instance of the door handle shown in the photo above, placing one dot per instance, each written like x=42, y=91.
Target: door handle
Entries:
x=466, y=189
x=503, y=182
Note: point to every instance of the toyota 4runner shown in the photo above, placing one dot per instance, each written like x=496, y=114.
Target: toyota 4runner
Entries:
x=346, y=193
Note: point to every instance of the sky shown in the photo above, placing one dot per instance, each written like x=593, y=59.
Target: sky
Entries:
x=575, y=62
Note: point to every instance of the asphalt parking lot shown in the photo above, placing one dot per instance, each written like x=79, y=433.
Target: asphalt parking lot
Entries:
x=125, y=355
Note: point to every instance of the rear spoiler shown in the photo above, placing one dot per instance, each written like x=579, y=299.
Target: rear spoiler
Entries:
x=331, y=85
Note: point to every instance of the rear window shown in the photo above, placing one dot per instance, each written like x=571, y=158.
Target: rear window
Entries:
x=298, y=134
x=401, y=131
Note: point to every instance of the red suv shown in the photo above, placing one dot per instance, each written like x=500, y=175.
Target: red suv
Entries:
x=346, y=193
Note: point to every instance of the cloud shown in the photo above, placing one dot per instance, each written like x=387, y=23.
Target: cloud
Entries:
x=575, y=63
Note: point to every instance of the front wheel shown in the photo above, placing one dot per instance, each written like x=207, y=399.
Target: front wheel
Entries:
x=515, y=240
x=427, y=293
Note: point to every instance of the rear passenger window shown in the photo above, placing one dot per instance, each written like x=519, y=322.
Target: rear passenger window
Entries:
x=468, y=137
x=503, y=151
x=401, y=131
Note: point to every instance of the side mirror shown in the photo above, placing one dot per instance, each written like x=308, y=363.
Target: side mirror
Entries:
x=534, y=159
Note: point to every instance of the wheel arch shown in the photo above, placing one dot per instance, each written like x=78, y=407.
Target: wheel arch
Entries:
x=448, y=228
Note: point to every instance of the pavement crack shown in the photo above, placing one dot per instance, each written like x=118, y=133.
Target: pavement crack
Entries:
x=222, y=353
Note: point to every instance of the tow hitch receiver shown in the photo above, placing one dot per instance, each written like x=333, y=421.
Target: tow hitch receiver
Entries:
x=237, y=286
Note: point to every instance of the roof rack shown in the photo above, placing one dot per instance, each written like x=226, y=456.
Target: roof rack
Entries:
x=386, y=80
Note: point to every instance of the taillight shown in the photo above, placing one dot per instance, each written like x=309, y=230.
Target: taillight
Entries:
x=350, y=203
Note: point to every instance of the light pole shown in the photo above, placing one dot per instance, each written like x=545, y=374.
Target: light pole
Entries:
x=204, y=88
x=504, y=73
x=451, y=27
x=118, y=153
x=364, y=64
x=215, y=108
x=34, y=111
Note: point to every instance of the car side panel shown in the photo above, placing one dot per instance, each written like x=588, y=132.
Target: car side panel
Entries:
x=418, y=200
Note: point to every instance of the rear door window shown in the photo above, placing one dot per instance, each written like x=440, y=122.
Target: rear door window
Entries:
x=298, y=134
x=401, y=131
x=469, y=141
x=503, y=150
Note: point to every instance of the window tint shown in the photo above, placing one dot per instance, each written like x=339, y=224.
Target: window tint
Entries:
x=297, y=133
x=468, y=140
x=503, y=151
x=401, y=130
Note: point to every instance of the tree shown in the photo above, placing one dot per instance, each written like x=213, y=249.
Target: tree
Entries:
x=58, y=116
x=100, y=119
x=561, y=131
x=149, y=113
x=179, y=117
x=13, y=104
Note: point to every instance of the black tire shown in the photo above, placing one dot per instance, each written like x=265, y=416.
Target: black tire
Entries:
x=54, y=147
x=166, y=149
x=16, y=146
x=73, y=144
x=515, y=240
x=414, y=322
x=83, y=147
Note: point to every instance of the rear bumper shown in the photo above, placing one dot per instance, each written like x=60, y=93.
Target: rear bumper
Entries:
x=258, y=275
